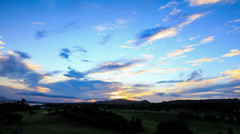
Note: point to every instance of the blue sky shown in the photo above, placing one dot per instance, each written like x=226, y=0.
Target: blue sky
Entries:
x=79, y=50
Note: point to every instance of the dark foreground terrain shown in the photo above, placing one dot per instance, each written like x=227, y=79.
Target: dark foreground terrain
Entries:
x=122, y=116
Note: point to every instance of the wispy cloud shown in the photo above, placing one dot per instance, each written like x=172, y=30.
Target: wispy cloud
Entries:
x=178, y=52
x=175, y=11
x=65, y=53
x=233, y=21
x=199, y=61
x=116, y=65
x=72, y=73
x=153, y=34
x=1, y=42
x=105, y=39
x=103, y=28
x=202, y=2
x=122, y=21
x=38, y=23
x=169, y=4
x=46, y=95
x=207, y=40
x=23, y=55
x=233, y=52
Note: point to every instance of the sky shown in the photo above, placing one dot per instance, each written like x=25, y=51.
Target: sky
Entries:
x=87, y=51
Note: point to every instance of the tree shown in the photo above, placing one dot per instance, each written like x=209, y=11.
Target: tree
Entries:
x=23, y=101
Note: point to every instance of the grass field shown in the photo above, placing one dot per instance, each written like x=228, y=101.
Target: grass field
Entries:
x=151, y=119
x=42, y=123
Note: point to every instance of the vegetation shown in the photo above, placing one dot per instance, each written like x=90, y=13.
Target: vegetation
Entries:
x=115, y=119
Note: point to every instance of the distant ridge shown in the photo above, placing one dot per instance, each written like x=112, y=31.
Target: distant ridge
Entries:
x=145, y=102
x=236, y=100
x=123, y=102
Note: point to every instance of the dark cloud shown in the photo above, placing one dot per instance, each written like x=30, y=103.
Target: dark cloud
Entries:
x=150, y=32
x=46, y=95
x=195, y=75
x=142, y=85
x=112, y=66
x=13, y=67
x=161, y=94
x=105, y=39
x=169, y=81
x=225, y=88
x=65, y=53
x=167, y=94
x=83, y=88
x=72, y=73
x=23, y=54
x=41, y=33
x=144, y=35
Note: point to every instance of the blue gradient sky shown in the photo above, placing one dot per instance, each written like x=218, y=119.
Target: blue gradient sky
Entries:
x=79, y=50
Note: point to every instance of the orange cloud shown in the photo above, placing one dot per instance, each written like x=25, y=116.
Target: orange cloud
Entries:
x=233, y=73
x=199, y=61
x=233, y=52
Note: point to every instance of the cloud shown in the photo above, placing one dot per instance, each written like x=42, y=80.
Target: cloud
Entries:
x=38, y=23
x=202, y=2
x=169, y=81
x=65, y=53
x=233, y=52
x=41, y=33
x=103, y=28
x=175, y=11
x=169, y=4
x=157, y=33
x=122, y=21
x=195, y=75
x=23, y=55
x=46, y=95
x=1, y=42
x=79, y=49
x=153, y=34
x=72, y=73
x=116, y=65
x=235, y=74
x=192, y=18
x=167, y=94
x=199, y=61
x=233, y=21
x=86, y=61
x=13, y=67
x=178, y=52
x=207, y=40
x=105, y=39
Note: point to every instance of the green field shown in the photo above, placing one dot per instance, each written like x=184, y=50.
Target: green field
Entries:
x=43, y=123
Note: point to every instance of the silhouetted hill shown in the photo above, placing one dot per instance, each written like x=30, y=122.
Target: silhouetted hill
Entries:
x=123, y=102
x=201, y=101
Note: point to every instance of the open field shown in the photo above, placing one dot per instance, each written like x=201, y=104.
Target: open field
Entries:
x=42, y=122
x=151, y=119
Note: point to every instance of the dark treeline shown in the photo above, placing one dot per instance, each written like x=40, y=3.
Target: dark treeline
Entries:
x=94, y=116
